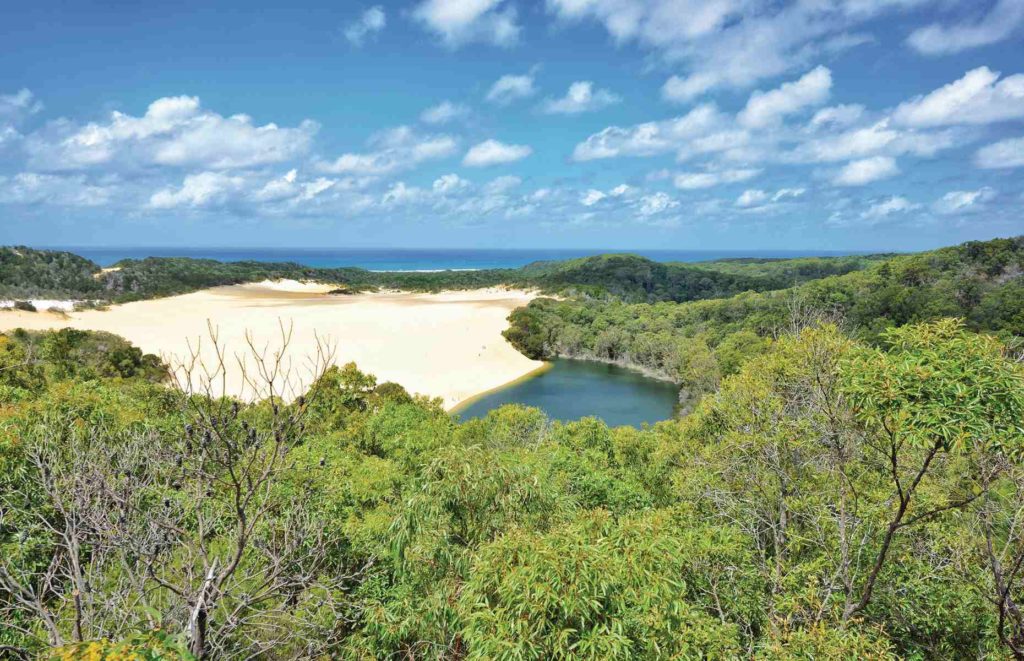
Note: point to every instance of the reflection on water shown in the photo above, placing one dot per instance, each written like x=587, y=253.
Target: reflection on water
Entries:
x=573, y=389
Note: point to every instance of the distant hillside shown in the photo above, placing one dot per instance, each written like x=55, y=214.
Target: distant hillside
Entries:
x=789, y=272
x=45, y=274
x=695, y=342
x=29, y=273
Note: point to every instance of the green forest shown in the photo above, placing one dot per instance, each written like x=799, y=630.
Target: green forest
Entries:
x=845, y=479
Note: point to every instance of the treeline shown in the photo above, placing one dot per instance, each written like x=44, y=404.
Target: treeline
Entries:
x=835, y=499
x=27, y=273
x=697, y=343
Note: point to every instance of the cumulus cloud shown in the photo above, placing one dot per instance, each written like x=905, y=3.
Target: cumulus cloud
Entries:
x=768, y=108
x=581, y=97
x=1007, y=153
x=367, y=26
x=492, y=152
x=879, y=137
x=511, y=88
x=174, y=131
x=443, y=113
x=393, y=150
x=839, y=116
x=591, y=197
x=202, y=189
x=866, y=170
x=755, y=199
x=288, y=187
x=656, y=203
x=458, y=22
x=502, y=185
x=1005, y=17
x=650, y=138
x=979, y=97
x=22, y=103
x=885, y=208
x=700, y=180
x=729, y=43
x=61, y=190
x=963, y=201
x=449, y=183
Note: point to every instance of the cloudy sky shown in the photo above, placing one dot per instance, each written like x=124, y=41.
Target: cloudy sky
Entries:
x=744, y=124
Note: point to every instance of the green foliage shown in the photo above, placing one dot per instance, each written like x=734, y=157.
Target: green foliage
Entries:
x=819, y=469
x=597, y=589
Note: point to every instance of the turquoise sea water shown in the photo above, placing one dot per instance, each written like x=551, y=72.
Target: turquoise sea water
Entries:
x=399, y=259
x=573, y=389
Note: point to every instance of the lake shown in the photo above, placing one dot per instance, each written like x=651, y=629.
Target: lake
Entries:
x=573, y=389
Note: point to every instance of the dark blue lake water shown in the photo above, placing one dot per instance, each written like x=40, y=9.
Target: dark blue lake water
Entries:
x=404, y=259
x=573, y=389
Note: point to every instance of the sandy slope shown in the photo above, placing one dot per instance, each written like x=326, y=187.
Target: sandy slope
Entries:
x=446, y=345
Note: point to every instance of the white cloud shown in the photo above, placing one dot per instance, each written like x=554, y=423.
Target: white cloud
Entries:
x=650, y=138
x=866, y=170
x=458, y=22
x=1007, y=153
x=368, y=25
x=288, y=187
x=963, y=201
x=783, y=193
x=699, y=180
x=174, y=131
x=751, y=198
x=656, y=203
x=62, y=190
x=393, y=150
x=202, y=189
x=888, y=207
x=443, y=113
x=449, y=183
x=581, y=97
x=502, y=185
x=729, y=43
x=399, y=194
x=15, y=106
x=510, y=88
x=620, y=190
x=839, y=116
x=492, y=152
x=1005, y=17
x=976, y=98
x=879, y=137
x=765, y=109
x=591, y=197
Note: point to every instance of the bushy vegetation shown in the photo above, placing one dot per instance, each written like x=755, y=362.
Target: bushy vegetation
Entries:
x=623, y=277
x=850, y=486
x=28, y=273
x=697, y=343
x=834, y=499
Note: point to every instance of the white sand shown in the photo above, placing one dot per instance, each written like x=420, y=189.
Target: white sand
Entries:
x=446, y=345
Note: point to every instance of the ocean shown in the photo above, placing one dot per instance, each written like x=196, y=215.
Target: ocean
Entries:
x=407, y=259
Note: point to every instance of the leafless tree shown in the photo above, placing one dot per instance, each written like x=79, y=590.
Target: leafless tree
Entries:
x=208, y=531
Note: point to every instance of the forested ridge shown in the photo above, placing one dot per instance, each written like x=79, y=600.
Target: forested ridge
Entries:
x=697, y=343
x=850, y=485
x=28, y=273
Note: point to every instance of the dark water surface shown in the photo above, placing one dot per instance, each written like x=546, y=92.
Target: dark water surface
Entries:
x=573, y=389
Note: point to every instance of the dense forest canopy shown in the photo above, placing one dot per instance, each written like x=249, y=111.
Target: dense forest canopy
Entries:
x=27, y=273
x=848, y=483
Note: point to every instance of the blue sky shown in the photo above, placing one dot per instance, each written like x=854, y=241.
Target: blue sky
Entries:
x=678, y=124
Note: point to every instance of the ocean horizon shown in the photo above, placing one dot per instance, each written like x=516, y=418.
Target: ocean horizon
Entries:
x=411, y=259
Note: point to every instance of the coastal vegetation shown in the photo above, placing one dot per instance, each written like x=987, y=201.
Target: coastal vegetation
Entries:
x=27, y=273
x=850, y=485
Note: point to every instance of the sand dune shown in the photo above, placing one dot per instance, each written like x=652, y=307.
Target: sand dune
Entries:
x=446, y=345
